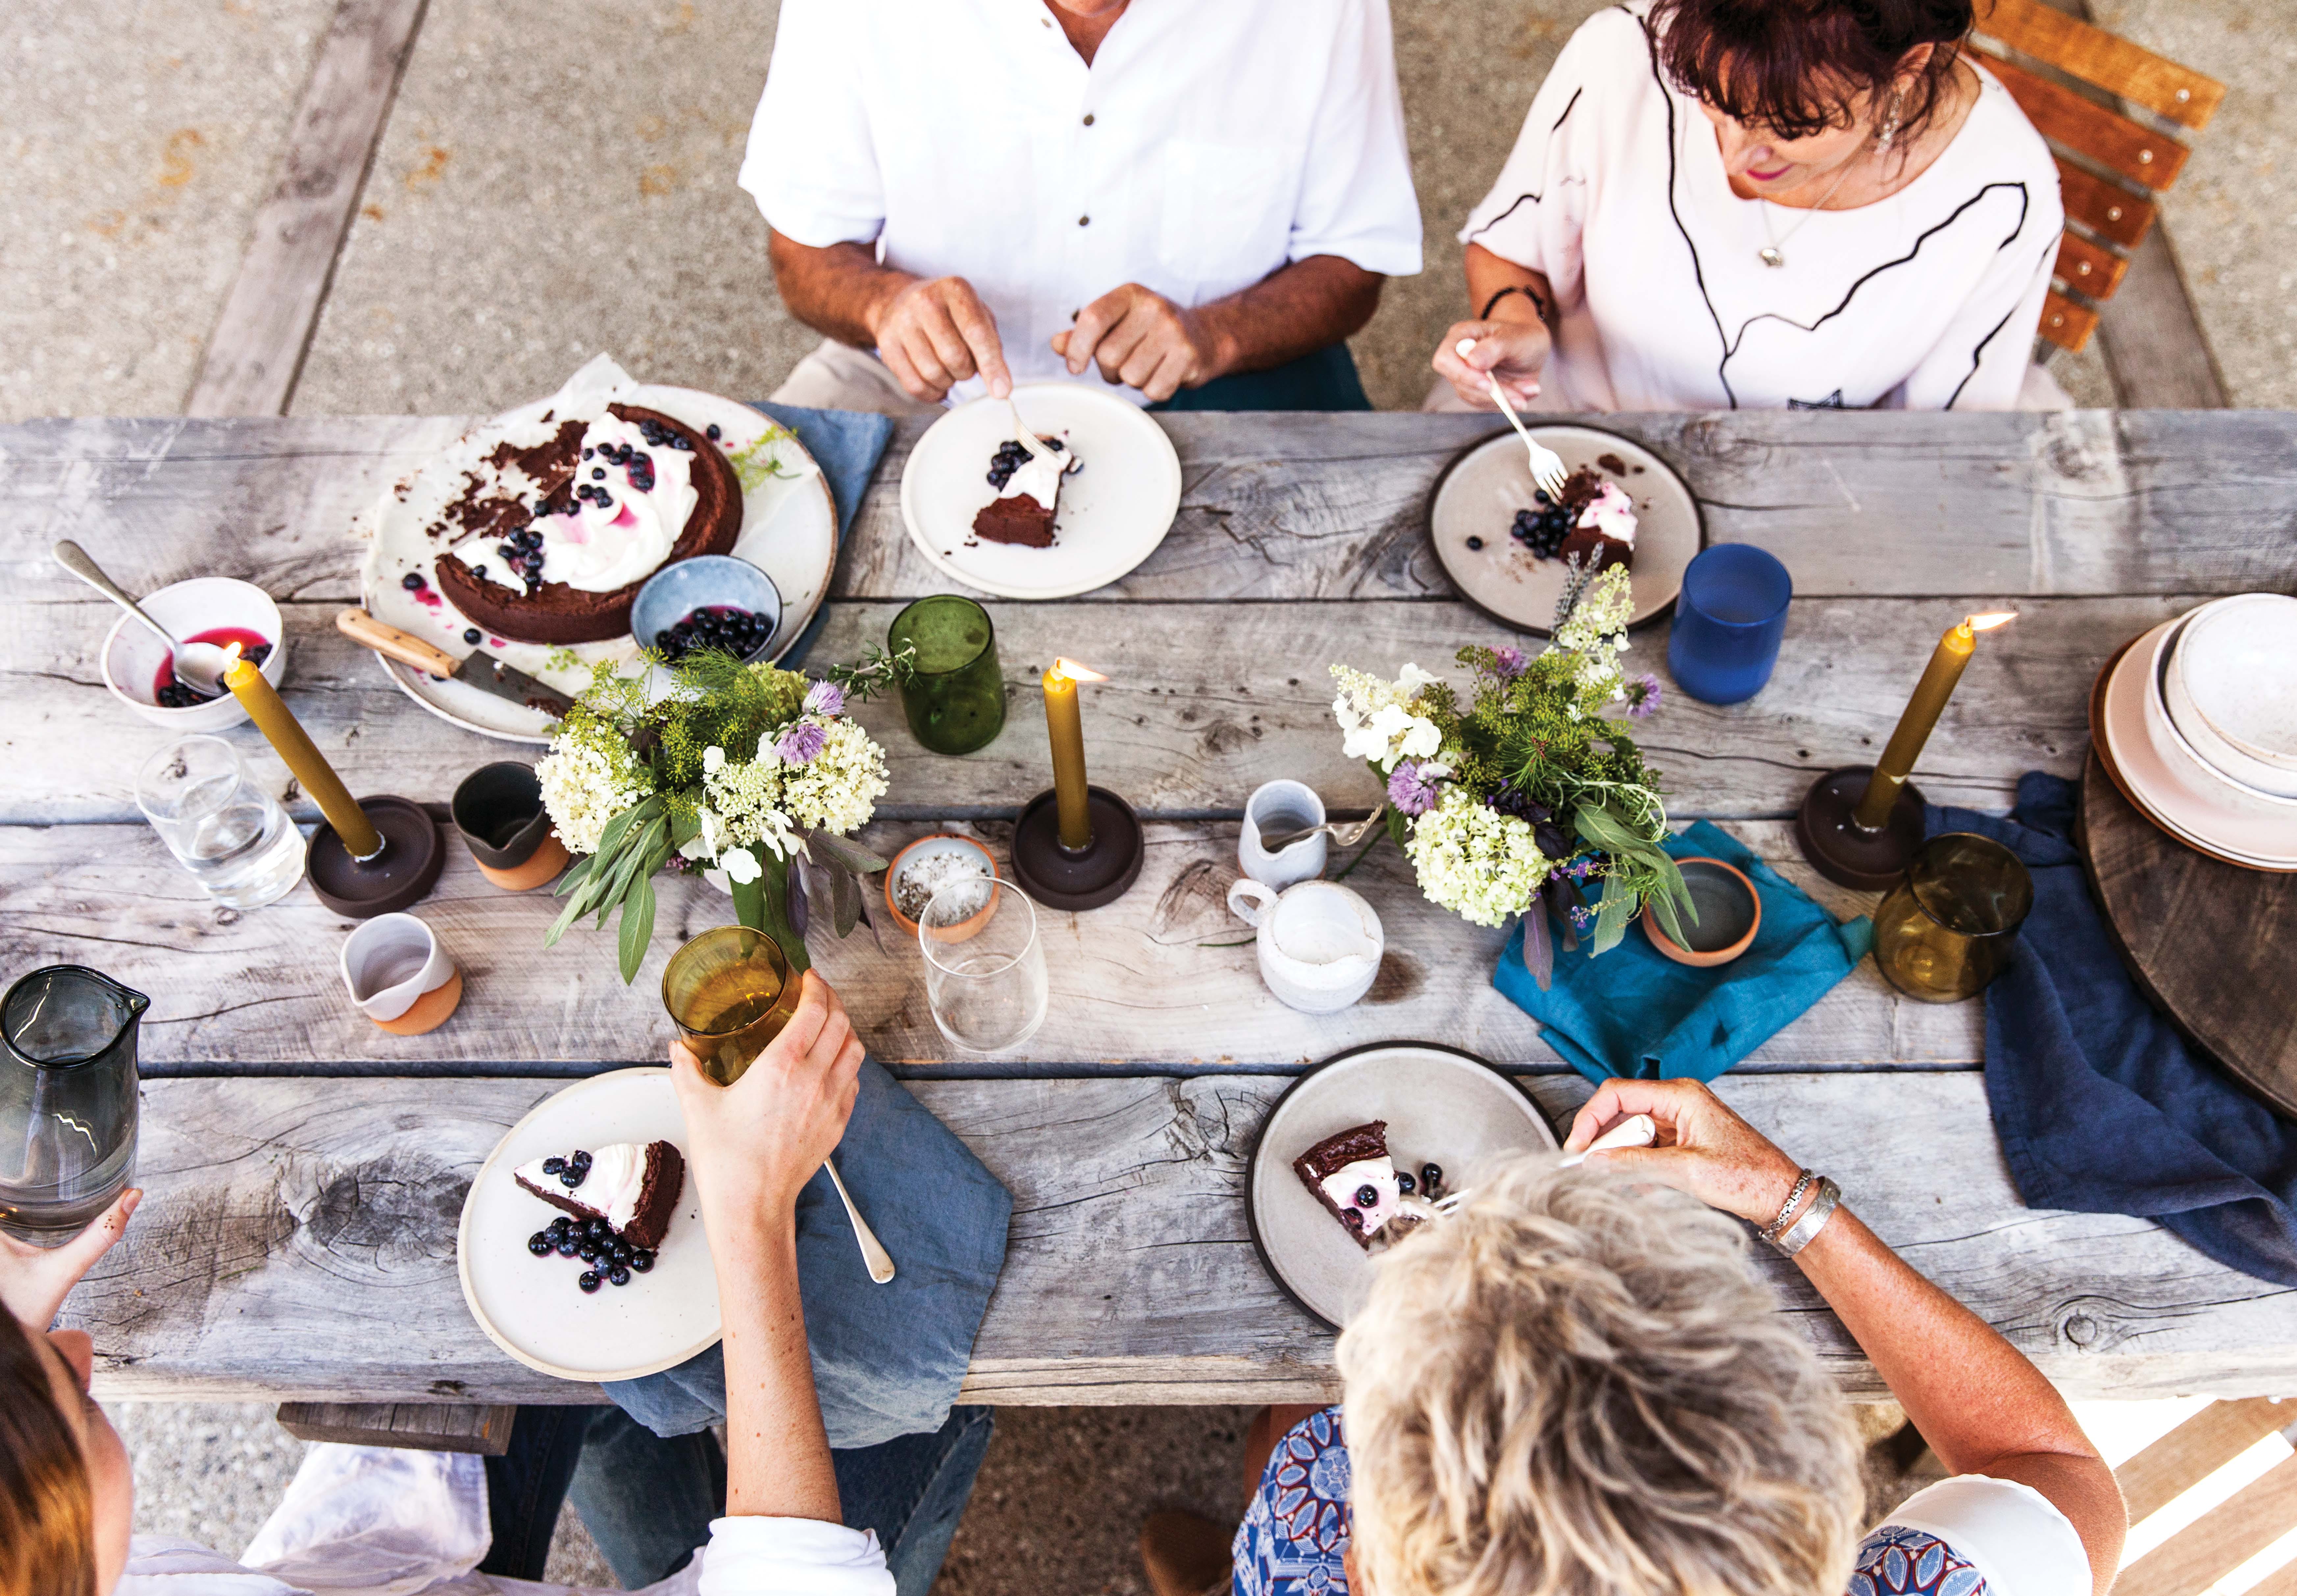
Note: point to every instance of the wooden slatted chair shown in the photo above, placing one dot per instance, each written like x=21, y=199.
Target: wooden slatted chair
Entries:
x=2262, y=1513
x=2111, y=165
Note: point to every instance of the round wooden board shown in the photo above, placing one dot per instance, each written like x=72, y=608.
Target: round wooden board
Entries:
x=2210, y=943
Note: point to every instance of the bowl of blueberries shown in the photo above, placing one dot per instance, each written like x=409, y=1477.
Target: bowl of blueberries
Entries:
x=709, y=602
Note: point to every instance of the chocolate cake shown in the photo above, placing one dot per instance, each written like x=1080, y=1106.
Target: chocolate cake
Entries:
x=634, y=1187
x=1025, y=516
x=1352, y=1174
x=1592, y=519
x=600, y=506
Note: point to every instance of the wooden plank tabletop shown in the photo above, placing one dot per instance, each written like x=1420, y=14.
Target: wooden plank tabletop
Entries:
x=289, y=1214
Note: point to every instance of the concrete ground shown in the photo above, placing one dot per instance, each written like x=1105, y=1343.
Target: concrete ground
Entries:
x=531, y=202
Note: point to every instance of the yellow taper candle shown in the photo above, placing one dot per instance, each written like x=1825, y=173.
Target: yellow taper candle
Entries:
x=277, y=722
x=1905, y=746
x=1066, y=726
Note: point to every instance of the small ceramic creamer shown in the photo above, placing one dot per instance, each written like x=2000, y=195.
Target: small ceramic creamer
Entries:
x=399, y=976
x=1320, y=944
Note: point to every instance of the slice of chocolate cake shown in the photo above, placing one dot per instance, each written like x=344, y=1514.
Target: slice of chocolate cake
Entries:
x=1352, y=1175
x=634, y=1187
x=1603, y=522
x=1025, y=516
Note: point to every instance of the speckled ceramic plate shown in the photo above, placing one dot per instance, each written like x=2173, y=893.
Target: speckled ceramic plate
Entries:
x=1478, y=495
x=1442, y=1106
x=531, y=1307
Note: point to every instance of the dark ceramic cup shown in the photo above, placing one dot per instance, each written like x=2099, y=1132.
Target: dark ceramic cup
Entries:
x=498, y=809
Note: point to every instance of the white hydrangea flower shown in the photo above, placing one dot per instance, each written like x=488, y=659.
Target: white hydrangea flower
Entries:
x=838, y=789
x=1474, y=861
x=587, y=778
x=748, y=804
x=741, y=866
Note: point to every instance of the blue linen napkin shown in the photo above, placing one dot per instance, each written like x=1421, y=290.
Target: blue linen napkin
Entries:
x=1636, y=1013
x=2101, y=1106
x=847, y=445
x=887, y=1360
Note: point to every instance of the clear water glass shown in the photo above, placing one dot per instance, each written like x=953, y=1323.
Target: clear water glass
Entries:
x=984, y=964
x=231, y=835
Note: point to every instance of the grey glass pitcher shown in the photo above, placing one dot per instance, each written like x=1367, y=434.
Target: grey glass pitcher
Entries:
x=68, y=1094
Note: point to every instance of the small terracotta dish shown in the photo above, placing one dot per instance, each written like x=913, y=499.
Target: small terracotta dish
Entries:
x=940, y=844
x=1730, y=913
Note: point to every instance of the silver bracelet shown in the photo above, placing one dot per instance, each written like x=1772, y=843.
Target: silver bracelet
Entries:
x=1814, y=1220
x=1770, y=1232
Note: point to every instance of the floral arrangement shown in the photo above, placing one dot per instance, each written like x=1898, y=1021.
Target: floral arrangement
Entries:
x=1530, y=799
x=746, y=769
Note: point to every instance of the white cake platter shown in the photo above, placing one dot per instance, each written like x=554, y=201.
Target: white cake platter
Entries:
x=531, y=1307
x=789, y=530
x=1442, y=1106
x=1477, y=496
x=1111, y=515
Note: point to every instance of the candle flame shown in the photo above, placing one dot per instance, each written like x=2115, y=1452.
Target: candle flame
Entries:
x=230, y=657
x=1987, y=623
x=1074, y=672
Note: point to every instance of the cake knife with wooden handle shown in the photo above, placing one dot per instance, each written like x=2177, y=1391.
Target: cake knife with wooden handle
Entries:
x=481, y=669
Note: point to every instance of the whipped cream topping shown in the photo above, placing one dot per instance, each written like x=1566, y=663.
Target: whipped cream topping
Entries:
x=1379, y=1173
x=617, y=1175
x=1041, y=478
x=1612, y=513
x=622, y=525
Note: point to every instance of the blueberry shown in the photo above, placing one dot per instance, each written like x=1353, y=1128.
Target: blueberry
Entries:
x=541, y=1244
x=1431, y=1176
x=580, y=1156
x=550, y=1166
x=1539, y=497
x=597, y=473
x=1475, y=543
x=587, y=1252
x=619, y=1251
x=641, y=1259
x=588, y=1280
x=507, y=551
x=588, y=453
x=562, y=1224
x=471, y=635
x=1404, y=1183
x=569, y=1245
x=620, y=1274
x=258, y=654
x=413, y=581
x=479, y=571
x=570, y=1179
x=598, y=1227
x=665, y=639
x=1367, y=1197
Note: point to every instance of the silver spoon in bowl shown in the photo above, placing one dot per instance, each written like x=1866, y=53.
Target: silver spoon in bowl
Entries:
x=1347, y=836
x=199, y=666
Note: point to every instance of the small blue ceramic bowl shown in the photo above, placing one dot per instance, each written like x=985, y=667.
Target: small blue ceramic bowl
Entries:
x=706, y=580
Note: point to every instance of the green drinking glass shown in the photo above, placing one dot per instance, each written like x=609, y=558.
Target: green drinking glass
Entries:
x=955, y=696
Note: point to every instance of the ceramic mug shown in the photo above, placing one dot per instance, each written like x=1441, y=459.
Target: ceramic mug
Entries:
x=498, y=809
x=399, y=976
x=1320, y=944
x=1275, y=807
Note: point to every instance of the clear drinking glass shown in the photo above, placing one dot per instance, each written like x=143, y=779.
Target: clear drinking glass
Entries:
x=230, y=833
x=1947, y=928
x=68, y=1096
x=985, y=964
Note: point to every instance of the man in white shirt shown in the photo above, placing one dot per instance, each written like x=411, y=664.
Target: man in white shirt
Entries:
x=1194, y=201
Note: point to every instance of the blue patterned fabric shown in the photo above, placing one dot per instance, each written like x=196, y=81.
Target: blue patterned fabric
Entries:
x=1294, y=1540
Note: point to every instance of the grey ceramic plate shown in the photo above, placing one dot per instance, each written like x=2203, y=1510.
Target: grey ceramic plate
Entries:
x=1481, y=493
x=1442, y=1106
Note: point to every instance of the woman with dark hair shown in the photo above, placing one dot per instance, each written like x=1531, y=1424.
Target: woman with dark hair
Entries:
x=1752, y=204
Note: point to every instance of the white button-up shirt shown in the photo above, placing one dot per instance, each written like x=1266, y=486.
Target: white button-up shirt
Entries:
x=1210, y=143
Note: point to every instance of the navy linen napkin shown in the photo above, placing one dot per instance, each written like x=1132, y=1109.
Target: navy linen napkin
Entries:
x=2101, y=1106
x=886, y=1359
x=1636, y=1013
x=847, y=445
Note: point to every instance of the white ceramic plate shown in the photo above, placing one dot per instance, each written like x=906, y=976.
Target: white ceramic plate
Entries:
x=531, y=1307
x=1478, y=498
x=1442, y=1106
x=2167, y=781
x=1112, y=513
x=789, y=530
x=2232, y=680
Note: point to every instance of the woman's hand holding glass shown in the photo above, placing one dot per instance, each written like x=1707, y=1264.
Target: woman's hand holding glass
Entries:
x=1702, y=1147
x=35, y=1280
x=1514, y=351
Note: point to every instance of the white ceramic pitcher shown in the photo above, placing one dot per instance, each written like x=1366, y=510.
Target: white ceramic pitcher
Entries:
x=1320, y=944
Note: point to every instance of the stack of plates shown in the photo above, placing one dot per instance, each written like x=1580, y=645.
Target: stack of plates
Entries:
x=2197, y=722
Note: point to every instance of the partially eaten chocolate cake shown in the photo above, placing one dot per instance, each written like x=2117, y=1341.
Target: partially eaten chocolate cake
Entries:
x=1352, y=1175
x=634, y=1187
x=1025, y=516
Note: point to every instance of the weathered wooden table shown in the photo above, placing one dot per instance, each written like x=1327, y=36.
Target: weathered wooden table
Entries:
x=305, y=1169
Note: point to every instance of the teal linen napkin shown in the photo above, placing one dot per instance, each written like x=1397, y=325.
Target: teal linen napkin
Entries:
x=1635, y=1012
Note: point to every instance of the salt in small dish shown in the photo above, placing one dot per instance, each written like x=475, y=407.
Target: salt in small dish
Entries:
x=940, y=845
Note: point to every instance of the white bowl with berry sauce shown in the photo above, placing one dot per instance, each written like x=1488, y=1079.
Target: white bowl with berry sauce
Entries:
x=206, y=609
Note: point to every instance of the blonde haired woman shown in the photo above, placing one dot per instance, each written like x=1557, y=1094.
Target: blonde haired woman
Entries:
x=1577, y=1384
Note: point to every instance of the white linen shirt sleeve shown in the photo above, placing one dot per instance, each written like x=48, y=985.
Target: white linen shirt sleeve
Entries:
x=2010, y=1533
x=1356, y=200
x=811, y=162
x=792, y=1557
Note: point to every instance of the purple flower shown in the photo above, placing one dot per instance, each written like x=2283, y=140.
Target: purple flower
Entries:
x=825, y=698
x=1581, y=918
x=1643, y=695
x=1410, y=789
x=1508, y=661
x=800, y=743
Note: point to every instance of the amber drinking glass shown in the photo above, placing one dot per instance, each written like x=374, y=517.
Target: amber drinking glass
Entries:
x=955, y=693
x=730, y=992
x=1945, y=929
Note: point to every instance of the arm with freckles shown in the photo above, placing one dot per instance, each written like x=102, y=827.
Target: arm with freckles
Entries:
x=931, y=332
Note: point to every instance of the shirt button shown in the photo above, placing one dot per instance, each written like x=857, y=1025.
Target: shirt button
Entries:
x=1088, y=119
x=1084, y=221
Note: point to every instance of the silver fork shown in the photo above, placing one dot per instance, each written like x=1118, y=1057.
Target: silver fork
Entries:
x=1347, y=836
x=1547, y=464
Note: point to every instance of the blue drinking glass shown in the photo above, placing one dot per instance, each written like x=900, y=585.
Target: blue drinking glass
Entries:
x=1728, y=622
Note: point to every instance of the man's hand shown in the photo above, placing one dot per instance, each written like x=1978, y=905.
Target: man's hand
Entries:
x=754, y=1144
x=1703, y=1147
x=1142, y=340
x=35, y=1280
x=934, y=332
x=1514, y=351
